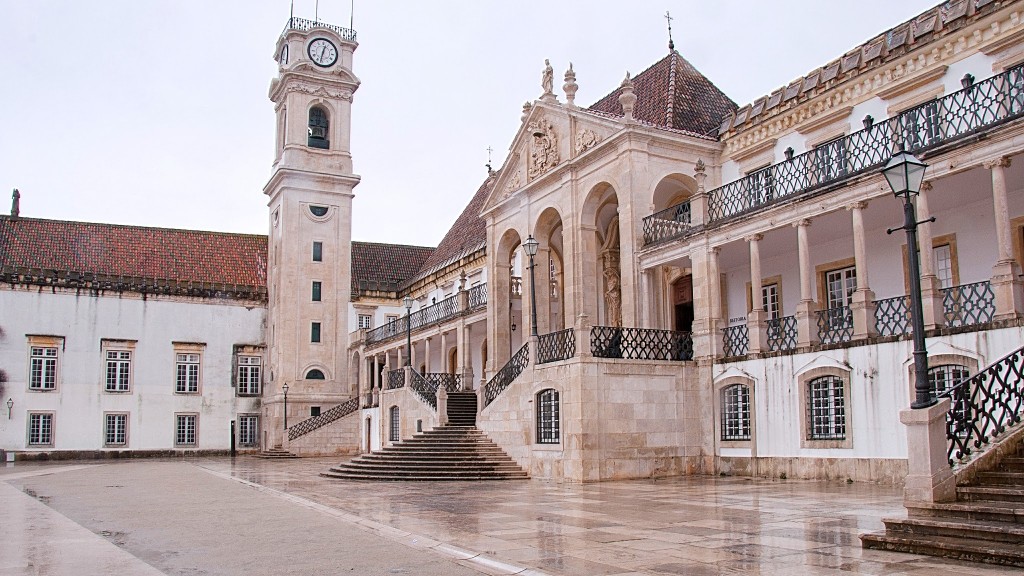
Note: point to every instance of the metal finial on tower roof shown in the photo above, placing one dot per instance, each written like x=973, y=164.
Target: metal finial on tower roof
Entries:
x=671, y=44
x=489, y=169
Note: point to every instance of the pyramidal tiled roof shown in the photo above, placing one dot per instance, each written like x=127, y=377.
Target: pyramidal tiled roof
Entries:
x=385, y=267
x=673, y=94
x=115, y=250
x=467, y=234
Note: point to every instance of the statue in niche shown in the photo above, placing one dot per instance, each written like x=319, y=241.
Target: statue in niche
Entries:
x=612, y=278
x=544, y=153
x=547, y=79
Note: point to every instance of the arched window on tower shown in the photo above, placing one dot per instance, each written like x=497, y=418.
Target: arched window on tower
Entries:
x=317, y=127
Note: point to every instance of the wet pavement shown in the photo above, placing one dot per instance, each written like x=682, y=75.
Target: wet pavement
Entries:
x=251, y=516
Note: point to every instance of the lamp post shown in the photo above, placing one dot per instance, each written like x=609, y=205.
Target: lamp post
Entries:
x=285, y=387
x=530, y=246
x=10, y=406
x=407, y=302
x=905, y=173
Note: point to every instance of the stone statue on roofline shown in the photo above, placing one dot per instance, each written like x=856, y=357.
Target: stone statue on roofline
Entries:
x=547, y=79
x=15, y=204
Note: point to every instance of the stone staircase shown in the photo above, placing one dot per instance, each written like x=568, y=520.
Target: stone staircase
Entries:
x=276, y=453
x=458, y=451
x=984, y=524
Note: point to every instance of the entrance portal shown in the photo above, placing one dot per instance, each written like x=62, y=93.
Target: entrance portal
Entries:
x=682, y=300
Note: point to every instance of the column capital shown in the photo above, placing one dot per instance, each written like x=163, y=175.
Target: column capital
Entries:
x=858, y=205
x=802, y=223
x=716, y=250
x=926, y=186
x=1001, y=162
x=754, y=237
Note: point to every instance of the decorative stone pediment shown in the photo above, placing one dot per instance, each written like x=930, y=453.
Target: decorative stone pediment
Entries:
x=543, y=149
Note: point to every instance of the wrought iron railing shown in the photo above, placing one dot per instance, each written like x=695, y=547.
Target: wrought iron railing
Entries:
x=451, y=382
x=430, y=315
x=556, y=346
x=396, y=378
x=509, y=372
x=640, y=343
x=478, y=296
x=977, y=107
x=835, y=325
x=304, y=25
x=735, y=340
x=782, y=333
x=984, y=406
x=309, y=424
x=426, y=391
x=892, y=316
x=968, y=304
x=667, y=223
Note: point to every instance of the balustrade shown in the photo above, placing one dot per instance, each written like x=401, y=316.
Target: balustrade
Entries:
x=968, y=304
x=509, y=372
x=556, y=346
x=735, y=340
x=396, y=378
x=892, y=316
x=304, y=25
x=325, y=418
x=782, y=333
x=835, y=325
x=429, y=316
x=640, y=343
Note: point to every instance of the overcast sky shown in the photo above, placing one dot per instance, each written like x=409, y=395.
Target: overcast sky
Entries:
x=156, y=113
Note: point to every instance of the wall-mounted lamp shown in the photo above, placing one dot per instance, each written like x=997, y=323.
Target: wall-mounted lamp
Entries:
x=10, y=406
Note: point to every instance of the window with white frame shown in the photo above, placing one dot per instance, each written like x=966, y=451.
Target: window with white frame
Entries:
x=249, y=370
x=548, y=430
x=248, y=430
x=770, y=300
x=119, y=370
x=839, y=286
x=187, y=373
x=185, y=429
x=830, y=160
x=365, y=321
x=826, y=409
x=760, y=186
x=115, y=429
x=40, y=429
x=736, y=412
x=394, y=419
x=944, y=265
x=43, y=369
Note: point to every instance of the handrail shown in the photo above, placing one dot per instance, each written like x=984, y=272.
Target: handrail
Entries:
x=977, y=107
x=984, y=406
x=556, y=346
x=304, y=25
x=309, y=424
x=640, y=343
x=428, y=316
x=423, y=389
x=509, y=372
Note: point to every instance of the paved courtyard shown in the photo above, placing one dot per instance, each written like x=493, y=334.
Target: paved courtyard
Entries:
x=250, y=516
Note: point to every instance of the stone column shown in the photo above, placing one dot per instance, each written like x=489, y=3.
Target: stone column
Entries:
x=756, y=327
x=806, y=320
x=863, y=301
x=426, y=355
x=931, y=290
x=1006, y=281
x=715, y=291
x=542, y=274
x=444, y=355
x=929, y=476
x=398, y=352
x=699, y=201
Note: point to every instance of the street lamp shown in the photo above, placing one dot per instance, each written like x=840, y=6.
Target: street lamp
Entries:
x=10, y=406
x=285, y=406
x=904, y=173
x=530, y=246
x=407, y=302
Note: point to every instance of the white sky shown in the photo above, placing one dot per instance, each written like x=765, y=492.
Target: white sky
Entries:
x=156, y=112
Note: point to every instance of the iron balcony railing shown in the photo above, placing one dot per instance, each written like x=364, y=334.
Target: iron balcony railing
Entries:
x=435, y=313
x=975, y=108
x=426, y=391
x=556, y=346
x=892, y=316
x=396, y=378
x=325, y=418
x=509, y=372
x=835, y=325
x=304, y=25
x=782, y=333
x=640, y=343
x=735, y=340
x=968, y=304
x=984, y=406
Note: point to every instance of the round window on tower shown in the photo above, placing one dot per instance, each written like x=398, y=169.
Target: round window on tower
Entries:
x=318, y=211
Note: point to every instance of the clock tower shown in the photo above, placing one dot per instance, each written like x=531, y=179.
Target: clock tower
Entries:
x=309, y=244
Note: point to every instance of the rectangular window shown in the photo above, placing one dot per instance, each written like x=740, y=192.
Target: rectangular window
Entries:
x=826, y=409
x=944, y=265
x=115, y=429
x=43, y=373
x=770, y=300
x=119, y=369
x=365, y=321
x=316, y=291
x=40, y=429
x=314, y=332
x=248, y=430
x=840, y=285
x=318, y=251
x=547, y=417
x=736, y=413
x=249, y=375
x=760, y=186
x=185, y=429
x=314, y=411
x=187, y=379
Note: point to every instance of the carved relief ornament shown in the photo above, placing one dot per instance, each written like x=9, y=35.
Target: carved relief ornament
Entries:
x=585, y=140
x=544, y=150
x=321, y=91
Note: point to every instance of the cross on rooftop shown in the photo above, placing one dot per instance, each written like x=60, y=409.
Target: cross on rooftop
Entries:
x=668, y=17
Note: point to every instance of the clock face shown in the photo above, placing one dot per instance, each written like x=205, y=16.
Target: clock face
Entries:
x=322, y=52
x=283, y=57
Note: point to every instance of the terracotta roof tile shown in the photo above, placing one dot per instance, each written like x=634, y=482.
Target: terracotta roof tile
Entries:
x=133, y=251
x=385, y=266
x=673, y=94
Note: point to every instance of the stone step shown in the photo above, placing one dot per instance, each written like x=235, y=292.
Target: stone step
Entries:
x=987, y=493
x=1001, y=478
x=1013, y=463
x=401, y=478
x=275, y=454
x=948, y=547
x=987, y=511
x=439, y=469
x=970, y=530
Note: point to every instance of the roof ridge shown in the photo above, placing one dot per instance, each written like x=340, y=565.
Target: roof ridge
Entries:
x=671, y=96
x=128, y=226
x=367, y=243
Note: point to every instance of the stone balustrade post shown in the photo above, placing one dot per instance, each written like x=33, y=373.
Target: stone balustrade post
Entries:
x=582, y=333
x=929, y=476
x=442, y=405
